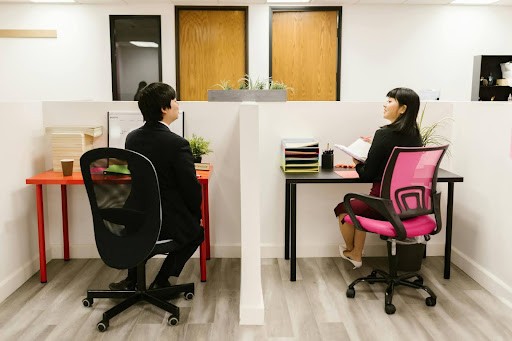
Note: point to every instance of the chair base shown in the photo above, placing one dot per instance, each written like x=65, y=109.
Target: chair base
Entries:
x=157, y=297
x=379, y=276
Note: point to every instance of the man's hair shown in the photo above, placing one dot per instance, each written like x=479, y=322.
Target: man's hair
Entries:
x=153, y=98
x=406, y=123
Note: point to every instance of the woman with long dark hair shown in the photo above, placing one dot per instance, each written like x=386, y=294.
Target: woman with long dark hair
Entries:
x=401, y=110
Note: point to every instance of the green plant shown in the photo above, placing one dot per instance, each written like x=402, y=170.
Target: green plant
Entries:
x=224, y=85
x=429, y=137
x=247, y=83
x=199, y=146
x=276, y=85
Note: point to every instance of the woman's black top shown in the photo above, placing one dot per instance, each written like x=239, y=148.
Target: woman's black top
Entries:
x=384, y=141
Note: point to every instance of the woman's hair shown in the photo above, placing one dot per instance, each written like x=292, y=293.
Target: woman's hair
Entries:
x=406, y=123
x=153, y=98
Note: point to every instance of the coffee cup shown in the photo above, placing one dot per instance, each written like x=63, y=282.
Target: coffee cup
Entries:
x=67, y=166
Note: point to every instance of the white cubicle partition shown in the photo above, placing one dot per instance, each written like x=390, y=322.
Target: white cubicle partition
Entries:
x=252, y=310
x=480, y=141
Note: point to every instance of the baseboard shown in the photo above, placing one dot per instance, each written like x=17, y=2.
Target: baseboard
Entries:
x=267, y=251
x=90, y=251
x=490, y=282
x=18, y=277
x=331, y=250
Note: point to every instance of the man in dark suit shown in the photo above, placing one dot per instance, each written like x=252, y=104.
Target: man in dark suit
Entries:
x=180, y=191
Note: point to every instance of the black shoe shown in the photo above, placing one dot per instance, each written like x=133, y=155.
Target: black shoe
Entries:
x=160, y=284
x=163, y=285
x=125, y=284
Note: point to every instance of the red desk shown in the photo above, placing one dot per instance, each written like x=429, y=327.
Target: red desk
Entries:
x=56, y=178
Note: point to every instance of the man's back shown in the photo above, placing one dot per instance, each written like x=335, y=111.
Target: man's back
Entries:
x=179, y=189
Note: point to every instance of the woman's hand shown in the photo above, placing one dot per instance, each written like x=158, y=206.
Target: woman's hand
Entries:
x=367, y=138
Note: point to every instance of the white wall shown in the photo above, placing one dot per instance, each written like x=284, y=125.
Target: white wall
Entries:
x=21, y=134
x=481, y=223
x=75, y=65
x=482, y=153
x=383, y=47
x=420, y=46
x=329, y=122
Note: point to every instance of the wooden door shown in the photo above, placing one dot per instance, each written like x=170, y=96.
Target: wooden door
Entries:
x=305, y=53
x=211, y=49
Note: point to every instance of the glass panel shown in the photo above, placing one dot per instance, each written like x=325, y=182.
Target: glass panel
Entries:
x=136, y=54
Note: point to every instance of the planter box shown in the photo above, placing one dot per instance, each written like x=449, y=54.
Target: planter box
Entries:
x=247, y=95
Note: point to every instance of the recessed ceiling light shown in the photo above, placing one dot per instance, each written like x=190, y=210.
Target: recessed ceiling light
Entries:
x=473, y=2
x=144, y=43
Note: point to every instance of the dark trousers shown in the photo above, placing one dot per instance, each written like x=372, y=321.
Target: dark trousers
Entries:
x=174, y=262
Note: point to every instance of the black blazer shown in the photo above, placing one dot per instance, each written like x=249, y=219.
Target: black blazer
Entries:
x=384, y=140
x=180, y=191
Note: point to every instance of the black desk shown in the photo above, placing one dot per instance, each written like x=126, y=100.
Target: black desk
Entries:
x=330, y=177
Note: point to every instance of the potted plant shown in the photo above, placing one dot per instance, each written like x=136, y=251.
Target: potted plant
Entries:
x=199, y=147
x=249, y=89
x=429, y=137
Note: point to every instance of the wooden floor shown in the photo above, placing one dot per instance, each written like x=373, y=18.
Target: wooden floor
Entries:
x=313, y=308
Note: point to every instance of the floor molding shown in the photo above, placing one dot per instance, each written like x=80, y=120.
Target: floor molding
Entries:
x=486, y=279
x=18, y=277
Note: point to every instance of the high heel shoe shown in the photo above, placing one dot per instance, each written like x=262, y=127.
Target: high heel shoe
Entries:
x=356, y=264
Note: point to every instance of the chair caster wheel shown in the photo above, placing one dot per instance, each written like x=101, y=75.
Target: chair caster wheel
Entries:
x=172, y=321
x=102, y=326
x=87, y=302
x=430, y=301
x=351, y=292
x=189, y=296
x=390, y=309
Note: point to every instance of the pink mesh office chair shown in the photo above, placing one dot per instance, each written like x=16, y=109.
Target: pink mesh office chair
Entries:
x=408, y=198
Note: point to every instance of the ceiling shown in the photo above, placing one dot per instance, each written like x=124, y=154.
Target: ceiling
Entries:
x=254, y=2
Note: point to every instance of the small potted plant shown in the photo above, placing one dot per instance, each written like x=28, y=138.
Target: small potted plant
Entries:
x=199, y=147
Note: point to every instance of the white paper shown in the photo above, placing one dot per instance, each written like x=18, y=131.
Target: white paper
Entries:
x=358, y=150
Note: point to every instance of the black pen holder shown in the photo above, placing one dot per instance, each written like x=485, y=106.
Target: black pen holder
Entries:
x=327, y=160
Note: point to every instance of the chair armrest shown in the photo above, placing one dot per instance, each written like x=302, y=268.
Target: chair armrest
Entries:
x=381, y=205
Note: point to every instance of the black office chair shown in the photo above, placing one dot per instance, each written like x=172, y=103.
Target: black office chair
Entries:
x=126, y=213
x=408, y=198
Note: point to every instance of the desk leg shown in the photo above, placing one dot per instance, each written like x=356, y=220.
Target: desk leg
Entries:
x=65, y=230
x=206, y=219
x=287, y=222
x=448, y=243
x=203, y=248
x=293, y=237
x=40, y=233
x=202, y=260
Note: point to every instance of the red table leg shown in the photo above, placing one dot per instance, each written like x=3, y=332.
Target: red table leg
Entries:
x=202, y=260
x=40, y=232
x=65, y=233
x=206, y=219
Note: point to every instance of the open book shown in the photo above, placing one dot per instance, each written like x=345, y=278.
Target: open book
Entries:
x=358, y=150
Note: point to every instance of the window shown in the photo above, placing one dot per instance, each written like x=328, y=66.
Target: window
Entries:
x=136, y=54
